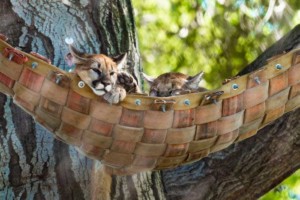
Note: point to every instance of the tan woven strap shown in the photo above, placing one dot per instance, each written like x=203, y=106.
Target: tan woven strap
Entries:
x=145, y=133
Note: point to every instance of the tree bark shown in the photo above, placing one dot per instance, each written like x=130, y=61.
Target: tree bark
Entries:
x=33, y=164
x=36, y=166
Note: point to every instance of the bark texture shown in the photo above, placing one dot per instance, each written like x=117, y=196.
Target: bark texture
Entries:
x=36, y=166
x=33, y=164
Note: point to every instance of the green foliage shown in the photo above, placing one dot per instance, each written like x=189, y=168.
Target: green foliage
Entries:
x=289, y=189
x=219, y=37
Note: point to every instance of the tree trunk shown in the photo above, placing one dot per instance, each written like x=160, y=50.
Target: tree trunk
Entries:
x=36, y=166
x=33, y=164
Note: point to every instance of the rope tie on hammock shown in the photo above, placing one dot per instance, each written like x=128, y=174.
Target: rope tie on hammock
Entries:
x=149, y=133
x=163, y=105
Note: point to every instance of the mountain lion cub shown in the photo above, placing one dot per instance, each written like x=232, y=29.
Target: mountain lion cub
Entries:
x=104, y=75
x=174, y=83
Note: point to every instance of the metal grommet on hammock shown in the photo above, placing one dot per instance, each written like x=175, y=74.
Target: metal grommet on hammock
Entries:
x=138, y=102
x=187, y=102
x=235, y=86
x=81, y=84
x=34, y=65
x=278, y=66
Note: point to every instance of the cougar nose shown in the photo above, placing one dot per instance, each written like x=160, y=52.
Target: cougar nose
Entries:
x=106, y=82
x=163, y=94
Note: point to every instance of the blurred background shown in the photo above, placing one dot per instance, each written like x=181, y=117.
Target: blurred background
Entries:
x=219, y=37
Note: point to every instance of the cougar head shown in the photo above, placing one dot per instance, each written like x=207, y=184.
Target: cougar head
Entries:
x=173, y=83
x=98, y=71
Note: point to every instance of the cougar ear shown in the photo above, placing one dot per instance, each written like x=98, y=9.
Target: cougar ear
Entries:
x=75, y=56
x=120, y=60
x=149, y=79
x=193, y=81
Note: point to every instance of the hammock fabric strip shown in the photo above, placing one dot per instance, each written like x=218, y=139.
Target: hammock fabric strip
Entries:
x=145, y=133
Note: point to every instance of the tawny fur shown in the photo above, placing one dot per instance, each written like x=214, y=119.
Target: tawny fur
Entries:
x=174, y=83
x=103, y=74
x=101, y=182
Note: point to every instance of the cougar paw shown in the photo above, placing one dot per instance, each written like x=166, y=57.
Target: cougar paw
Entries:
x=127, y=81
x=115, y=96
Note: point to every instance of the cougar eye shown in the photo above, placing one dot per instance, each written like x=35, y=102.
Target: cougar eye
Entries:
x=96, y=70
x=175, y=92
x=112, y=73
x=153, y=93
x=96, y=65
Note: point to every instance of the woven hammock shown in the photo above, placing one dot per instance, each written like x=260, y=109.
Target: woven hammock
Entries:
x=149, y=133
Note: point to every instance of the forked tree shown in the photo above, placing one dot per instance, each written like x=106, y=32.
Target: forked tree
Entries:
x=36, y=166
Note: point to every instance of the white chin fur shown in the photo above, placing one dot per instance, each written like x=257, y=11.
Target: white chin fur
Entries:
x=99, y=86
x=108, y=88
x=99, y=92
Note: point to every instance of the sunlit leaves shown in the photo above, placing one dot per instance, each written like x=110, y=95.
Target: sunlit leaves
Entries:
x=220, y=37
x=288, y=190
